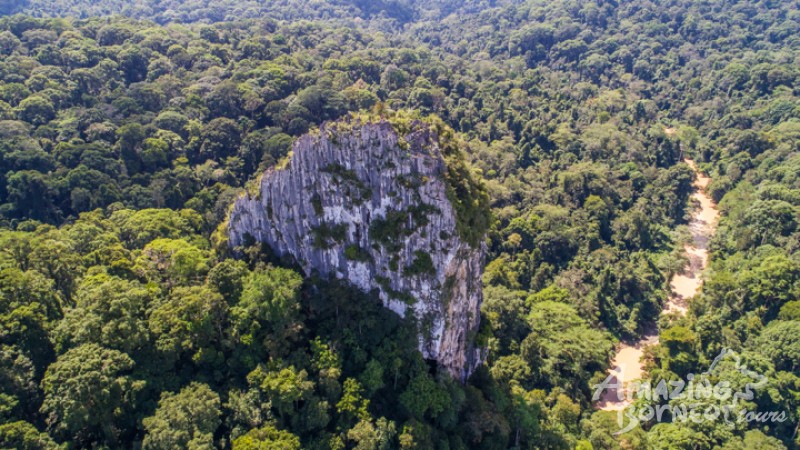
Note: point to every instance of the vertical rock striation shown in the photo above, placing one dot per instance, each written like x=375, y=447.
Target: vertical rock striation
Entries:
x=360, y=202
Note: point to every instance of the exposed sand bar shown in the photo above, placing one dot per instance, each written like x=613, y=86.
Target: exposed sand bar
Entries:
x=683, y=286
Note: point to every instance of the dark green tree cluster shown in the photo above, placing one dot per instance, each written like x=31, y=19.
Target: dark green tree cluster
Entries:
x=130, y=328
x=388, y=14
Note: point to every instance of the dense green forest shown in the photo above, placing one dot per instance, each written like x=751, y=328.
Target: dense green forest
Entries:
x=128, y=128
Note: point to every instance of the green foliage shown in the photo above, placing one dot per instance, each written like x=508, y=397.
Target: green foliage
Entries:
x=87, y=391
x=777, y=343
x=36, y=110
x=189, y=324
x=316, y=203
x=286, y=387
x=356, y=253
x=424, y=397
x=177, y=259
x=558, y=331
x=390, y=230
x=403, y=296
x=228, y=278
x=352, y=405
x=327, y=236
x=505, y=312
x=138, y=228
x=24, y=436
x=110, y=311
x=790, y=311
x=267, y=438
x=187, y=419
x=465, y=189
x=267, y=314
x=421, y=265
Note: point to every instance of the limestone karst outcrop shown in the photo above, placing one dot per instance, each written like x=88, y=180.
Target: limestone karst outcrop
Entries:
x=390, y=206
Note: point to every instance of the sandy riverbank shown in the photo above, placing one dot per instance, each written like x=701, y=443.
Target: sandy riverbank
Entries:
x=683, y=286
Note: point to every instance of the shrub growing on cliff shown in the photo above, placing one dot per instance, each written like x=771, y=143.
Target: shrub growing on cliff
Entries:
x=356, y=253
x=326, y=236
x=398, y=225
x=421, y=265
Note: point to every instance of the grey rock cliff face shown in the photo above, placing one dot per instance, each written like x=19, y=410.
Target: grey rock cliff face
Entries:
x=360, y=203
